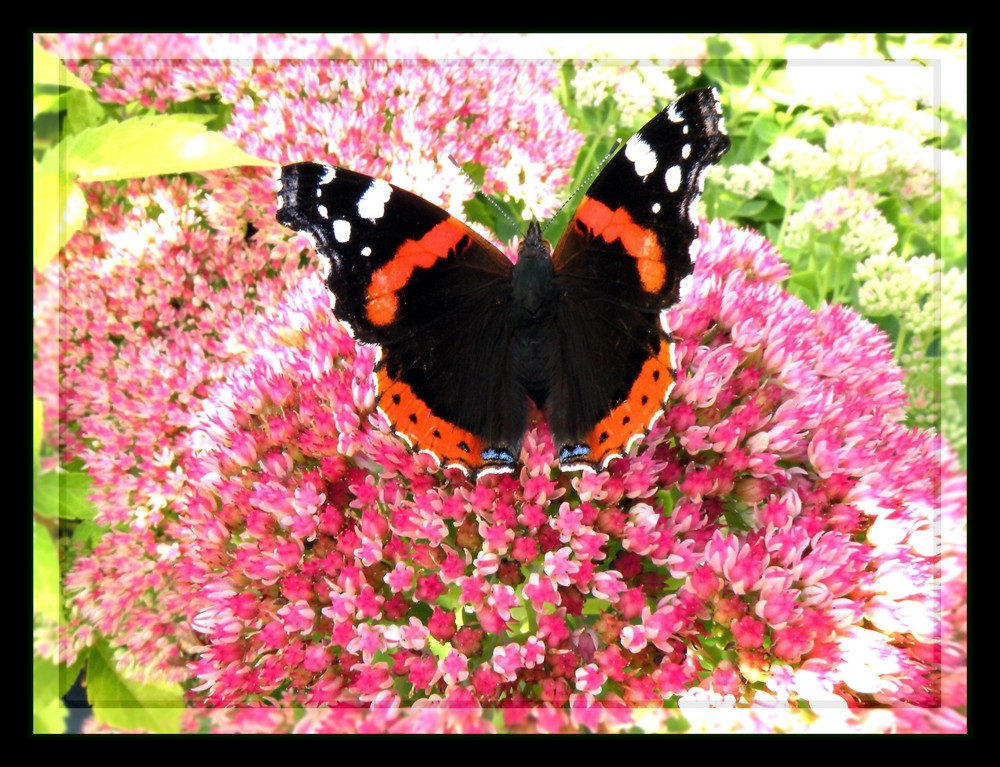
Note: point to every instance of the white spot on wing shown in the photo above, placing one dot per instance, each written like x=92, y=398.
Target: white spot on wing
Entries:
x=329, y=174
x=674, y=114
x=341, y=230
x=656, y=207
x=366, y=251
x=281, y=200
x=673, y=178
x=372, y=202
x=701, y=179
x=686, y=129
x=692, y=211
x=686, y=151
x=642, y=156
x=321, y=209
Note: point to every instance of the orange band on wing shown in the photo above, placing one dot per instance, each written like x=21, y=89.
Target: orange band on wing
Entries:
x=632, y=418
x=413, y=420
x=639, y=242
x=389, y=279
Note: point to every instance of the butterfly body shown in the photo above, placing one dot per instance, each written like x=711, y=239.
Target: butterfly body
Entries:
x=471, y=342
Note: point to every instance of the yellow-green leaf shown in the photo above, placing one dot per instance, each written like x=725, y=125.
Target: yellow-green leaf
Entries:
x=49, y=70
x=48, y=710
x=148, y=146
x=128, y=704
x=64, y=494
x=45, y=574
x=37, y=431
x=59, y=210
x=594, y=606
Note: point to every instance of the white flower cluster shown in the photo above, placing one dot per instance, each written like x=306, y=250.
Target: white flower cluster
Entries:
x=635, y=88
x=931, y=306
x=853, y=80
x=907, y=288
x=743, y=180
x=797, y=157
x=849, y=215
x=900, y=114
x=871, y=153
x=954, y=424
x=954, y=327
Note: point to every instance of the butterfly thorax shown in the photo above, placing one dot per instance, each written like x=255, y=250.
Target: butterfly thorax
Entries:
x=533, y=307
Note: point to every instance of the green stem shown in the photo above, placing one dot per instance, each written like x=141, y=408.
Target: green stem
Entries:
x=589, y=157
x=789, y=199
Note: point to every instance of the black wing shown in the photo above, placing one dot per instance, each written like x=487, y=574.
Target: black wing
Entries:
x=433, y=294
x=620, y=264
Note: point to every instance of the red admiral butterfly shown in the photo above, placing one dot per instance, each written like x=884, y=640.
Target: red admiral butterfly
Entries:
x=469, y=340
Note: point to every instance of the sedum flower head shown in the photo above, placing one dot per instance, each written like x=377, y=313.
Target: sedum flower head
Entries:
x=800, y=158
x=636, y=88
x=743, y=180
x=954, y=326
x=772, y=513
x=908, y=288
x=875, y=154
x=849, y=217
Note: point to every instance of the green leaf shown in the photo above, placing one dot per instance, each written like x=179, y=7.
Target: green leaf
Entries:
x=59, y=210
x=83, y=111
x=47, y=103
x=49, y=70
x=439, y=649
x=68, y=674
x=594, y=606
x=766, y=128
x=678, y=724
x=750, y=208
x=805, y=285
x=64, y=494
x=88, y=534
x=780, y=189
x=129, y=704
x=48, y=710
x=45, y=574
x=149, y=146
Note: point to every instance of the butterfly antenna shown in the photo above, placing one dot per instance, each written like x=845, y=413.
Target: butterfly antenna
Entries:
x=586, y=181
x=490, y=200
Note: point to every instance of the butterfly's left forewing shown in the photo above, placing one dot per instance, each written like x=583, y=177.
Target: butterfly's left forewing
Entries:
x=618, y=266
x=401, y=271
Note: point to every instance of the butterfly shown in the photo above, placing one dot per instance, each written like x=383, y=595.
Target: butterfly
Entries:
x=469, y=342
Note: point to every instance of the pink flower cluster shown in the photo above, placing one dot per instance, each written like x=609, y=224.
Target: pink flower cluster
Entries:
x=170, y=283
x=770, y=545
x=780, y=550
